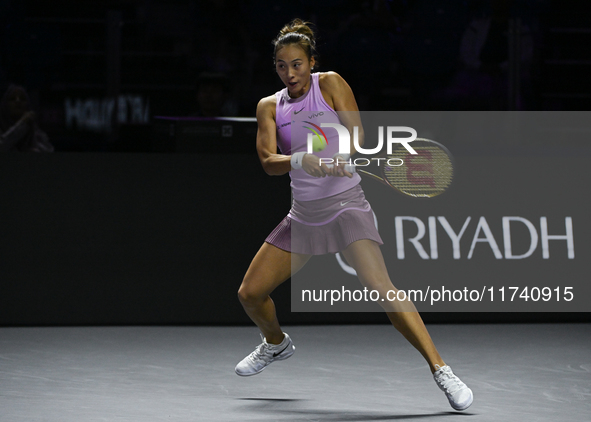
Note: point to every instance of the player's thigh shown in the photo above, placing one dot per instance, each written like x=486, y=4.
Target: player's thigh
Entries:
x=269, y=268
x=366, y=258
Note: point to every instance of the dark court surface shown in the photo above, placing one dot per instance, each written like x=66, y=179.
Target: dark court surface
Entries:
x=537, y=372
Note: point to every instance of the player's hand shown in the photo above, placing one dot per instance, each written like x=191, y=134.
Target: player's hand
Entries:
x=339, y=169
x=311, y=165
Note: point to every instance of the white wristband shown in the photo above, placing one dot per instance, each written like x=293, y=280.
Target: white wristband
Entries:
x=297, y=159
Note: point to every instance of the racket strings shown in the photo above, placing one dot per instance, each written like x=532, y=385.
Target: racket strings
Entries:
x=427, y=174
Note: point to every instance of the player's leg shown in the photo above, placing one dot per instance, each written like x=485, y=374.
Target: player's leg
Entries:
x=270, y=267
x=365, y=256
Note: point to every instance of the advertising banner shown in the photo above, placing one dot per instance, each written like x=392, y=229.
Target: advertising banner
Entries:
x=510, y=233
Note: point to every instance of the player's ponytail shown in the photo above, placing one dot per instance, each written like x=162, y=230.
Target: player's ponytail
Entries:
x=297, y=32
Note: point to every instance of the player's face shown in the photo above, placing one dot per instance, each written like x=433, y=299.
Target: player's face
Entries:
x=293, y=67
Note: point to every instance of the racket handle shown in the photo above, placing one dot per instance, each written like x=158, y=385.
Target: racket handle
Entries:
x=348, y=167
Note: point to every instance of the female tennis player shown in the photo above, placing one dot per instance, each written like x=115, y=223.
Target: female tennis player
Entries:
x=329, y=211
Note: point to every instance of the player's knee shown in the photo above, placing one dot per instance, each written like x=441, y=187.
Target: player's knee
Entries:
x=247, y=296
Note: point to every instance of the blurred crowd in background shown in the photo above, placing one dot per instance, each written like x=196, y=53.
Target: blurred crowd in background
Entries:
x=215, y=57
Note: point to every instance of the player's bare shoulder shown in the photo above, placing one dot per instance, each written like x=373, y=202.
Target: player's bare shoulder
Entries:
x=334, y=89
x=266, y=107
x=331, y=82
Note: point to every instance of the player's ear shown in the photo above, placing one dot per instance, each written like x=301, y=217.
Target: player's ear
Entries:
x=312, y=63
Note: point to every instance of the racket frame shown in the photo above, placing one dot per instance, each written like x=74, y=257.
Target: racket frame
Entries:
x=383, y=179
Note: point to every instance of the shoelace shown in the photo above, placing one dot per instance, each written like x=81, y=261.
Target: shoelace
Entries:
x=261, y=352
x=449, y=382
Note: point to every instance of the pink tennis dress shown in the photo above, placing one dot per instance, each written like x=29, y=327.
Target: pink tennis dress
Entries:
x=327, y=213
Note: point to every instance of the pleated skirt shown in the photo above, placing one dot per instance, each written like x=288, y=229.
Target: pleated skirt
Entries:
x=326, y=225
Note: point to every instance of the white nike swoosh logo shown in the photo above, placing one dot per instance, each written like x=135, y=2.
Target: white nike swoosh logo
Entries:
x=345, y=203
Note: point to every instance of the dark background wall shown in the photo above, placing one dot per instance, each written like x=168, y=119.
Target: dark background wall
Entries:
x=158, y=239
x=131, y=238
x=108, y=230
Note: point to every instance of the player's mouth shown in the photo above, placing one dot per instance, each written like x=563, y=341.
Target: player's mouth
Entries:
x=292, y=84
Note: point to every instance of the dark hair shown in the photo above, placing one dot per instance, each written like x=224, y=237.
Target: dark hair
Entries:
x=297, y=32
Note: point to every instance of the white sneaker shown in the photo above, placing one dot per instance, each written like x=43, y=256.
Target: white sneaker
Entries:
x=263, y=355
x=459, y=395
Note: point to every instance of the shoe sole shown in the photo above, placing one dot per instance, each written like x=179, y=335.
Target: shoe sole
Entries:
x=263, y=368
x=249, y=375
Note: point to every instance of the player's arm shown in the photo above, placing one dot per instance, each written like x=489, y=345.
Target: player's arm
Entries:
x=343, y=100
x=344, y=104
x=274, y=164
x=277, y=164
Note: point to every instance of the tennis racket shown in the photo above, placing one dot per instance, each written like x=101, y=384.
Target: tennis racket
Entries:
x=423, y=175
